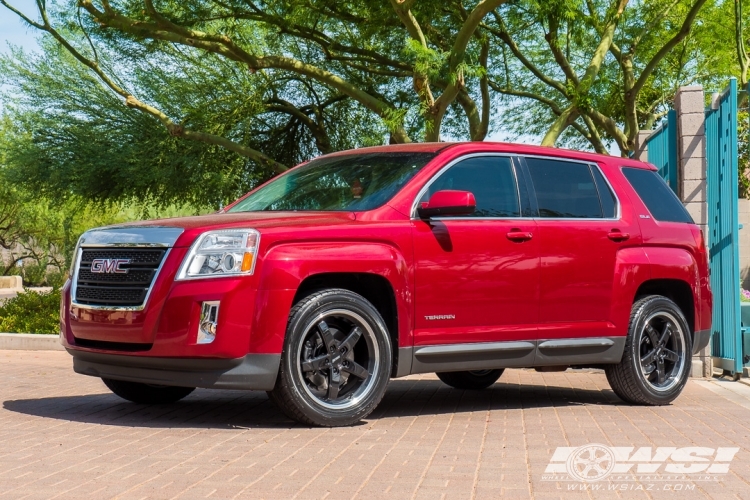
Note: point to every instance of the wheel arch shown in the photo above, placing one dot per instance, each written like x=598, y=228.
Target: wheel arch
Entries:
x=678, y=291
x=376, y=270
x=373, y=287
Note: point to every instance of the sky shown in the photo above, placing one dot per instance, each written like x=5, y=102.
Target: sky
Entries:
x=15, y=31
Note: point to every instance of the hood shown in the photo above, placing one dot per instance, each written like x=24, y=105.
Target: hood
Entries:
x=194, y=225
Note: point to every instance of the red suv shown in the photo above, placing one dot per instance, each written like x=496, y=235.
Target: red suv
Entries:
x=461, y=259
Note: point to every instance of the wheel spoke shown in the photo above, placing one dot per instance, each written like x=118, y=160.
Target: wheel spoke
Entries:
x=326, y=335
x=313, y=364
x=665, y=334
x=334, y=382
x=652, y=334
x=351, y=339
x=671, y=355
x=356, y=369
x=660, y=371
x=648, y=358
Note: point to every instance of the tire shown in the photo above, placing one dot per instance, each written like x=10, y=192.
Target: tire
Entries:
x=336, y=361
x=472, y=380
x=146, y=394
x=649, y=375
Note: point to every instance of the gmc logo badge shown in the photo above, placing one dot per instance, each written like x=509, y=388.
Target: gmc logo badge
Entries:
x=101, y=266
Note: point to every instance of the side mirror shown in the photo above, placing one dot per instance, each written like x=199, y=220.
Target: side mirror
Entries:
x=448, y=202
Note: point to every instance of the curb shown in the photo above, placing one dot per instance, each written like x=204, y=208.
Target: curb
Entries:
x=30, y=342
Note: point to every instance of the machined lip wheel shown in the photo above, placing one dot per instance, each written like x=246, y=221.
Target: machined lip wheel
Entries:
x=662, y=351
x=338, y=355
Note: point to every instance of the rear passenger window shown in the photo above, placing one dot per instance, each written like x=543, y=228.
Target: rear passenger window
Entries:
x=564, y=189
x=656, y=195
x=605, y=194
x=489, y=178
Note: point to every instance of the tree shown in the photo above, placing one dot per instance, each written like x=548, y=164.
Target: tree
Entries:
x=229, y=92
x=640, y=53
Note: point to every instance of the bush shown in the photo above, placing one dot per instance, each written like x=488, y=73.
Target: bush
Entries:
x=31, y=312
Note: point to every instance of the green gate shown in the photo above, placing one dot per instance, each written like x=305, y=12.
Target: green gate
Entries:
x=723, y=225
x=662, y=149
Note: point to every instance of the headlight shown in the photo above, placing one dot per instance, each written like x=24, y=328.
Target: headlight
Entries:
x=229, y=252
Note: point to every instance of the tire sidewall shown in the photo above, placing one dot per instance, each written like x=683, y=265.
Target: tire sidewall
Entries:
x=653, y=305
x=311, y=308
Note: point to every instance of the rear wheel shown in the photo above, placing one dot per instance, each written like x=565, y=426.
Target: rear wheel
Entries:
x=470, y=380
x=146, y=393
x=656, y=362
x=336, y=361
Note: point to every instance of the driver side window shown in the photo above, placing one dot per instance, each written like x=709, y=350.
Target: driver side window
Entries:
x=489, y=178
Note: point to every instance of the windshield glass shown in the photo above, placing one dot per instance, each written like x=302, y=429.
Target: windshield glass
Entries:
x=340, y=183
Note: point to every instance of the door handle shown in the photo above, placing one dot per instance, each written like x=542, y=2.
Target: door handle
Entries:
x=519, y=236
x=616, y=235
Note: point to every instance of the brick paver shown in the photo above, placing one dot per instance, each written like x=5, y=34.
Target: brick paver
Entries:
x=64, y=435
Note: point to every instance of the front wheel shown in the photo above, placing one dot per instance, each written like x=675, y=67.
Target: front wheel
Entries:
x=471, y=380
x=146, y=393
x=336, y=360
x=656, y=362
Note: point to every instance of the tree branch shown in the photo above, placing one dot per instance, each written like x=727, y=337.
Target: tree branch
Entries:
x=511, y=44
x=667, y=48
x=223, y=45
x=132, y=102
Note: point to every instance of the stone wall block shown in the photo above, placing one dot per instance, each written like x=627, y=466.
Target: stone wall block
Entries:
x=694, y=191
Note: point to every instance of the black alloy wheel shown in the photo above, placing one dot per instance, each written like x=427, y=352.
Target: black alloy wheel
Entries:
x=336, y=361
x=658, y=353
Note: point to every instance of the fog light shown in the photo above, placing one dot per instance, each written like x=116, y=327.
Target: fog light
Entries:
x=208, y=321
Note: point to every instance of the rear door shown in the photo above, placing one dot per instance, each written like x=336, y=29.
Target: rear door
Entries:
x=580, y=233
x=477, y=276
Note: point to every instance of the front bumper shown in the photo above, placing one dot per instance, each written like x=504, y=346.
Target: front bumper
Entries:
x=251, y=372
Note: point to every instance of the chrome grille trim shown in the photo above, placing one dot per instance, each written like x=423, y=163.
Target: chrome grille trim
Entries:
x=126, y=238
x=74, y=287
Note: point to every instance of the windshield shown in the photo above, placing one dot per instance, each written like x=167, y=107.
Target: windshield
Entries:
x=340, y=183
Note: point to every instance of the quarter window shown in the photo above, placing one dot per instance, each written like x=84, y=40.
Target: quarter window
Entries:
x=490, y=178
x=564, y=189
x=656, y=195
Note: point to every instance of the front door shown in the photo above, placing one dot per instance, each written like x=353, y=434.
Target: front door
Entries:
x=477, y=276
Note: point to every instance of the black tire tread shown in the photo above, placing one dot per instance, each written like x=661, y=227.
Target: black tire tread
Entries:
x=621, y=378
x=468, y=382
x=281, y=395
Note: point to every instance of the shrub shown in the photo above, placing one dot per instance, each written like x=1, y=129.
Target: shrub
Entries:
x=31, y=312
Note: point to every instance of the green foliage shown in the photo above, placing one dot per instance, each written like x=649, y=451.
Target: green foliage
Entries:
x=743, y=149
x=31, y=312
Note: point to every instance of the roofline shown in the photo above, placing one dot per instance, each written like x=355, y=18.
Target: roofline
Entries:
x=440, y=147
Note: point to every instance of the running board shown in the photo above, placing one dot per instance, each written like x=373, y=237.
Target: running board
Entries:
x=517, y=354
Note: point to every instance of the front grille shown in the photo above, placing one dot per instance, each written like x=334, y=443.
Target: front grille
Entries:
x=127, y=289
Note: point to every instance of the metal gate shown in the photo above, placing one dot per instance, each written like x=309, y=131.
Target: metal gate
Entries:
x=662, y=149
x=723, y=224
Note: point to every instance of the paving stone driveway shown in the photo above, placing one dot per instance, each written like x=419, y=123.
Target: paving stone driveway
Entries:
x=64, y=435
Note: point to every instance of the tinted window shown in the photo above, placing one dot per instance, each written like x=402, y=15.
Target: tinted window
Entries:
x=605, y=194
x=564, y=189
x=656, y=195
x=349, y=182
x=489, y=178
